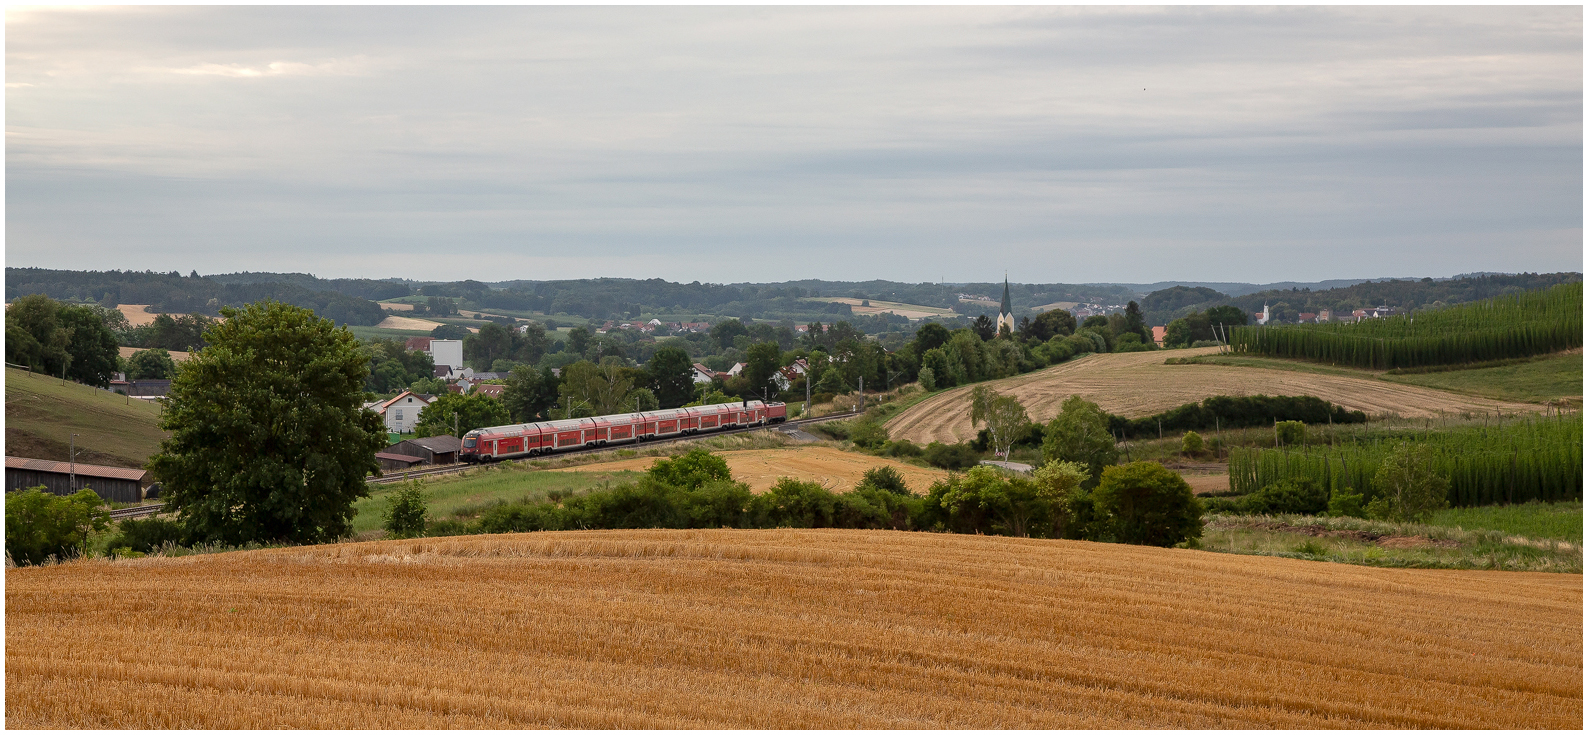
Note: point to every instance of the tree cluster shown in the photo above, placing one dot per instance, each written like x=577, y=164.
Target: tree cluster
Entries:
x=69, y=340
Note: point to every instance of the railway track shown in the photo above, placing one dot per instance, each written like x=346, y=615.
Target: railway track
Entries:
x=450, y=469
x=136, y=511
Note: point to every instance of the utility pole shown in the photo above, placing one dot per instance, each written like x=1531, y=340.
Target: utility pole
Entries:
x=806, y=411
x=862, y=393
x=455, y=424
x=71, y=482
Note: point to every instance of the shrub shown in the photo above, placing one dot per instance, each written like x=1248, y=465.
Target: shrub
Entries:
x=820, y=397
x=691, y=470
x=927, y=379
x=147, y=535
x=1297, y=495
x=795, y=504
x=884, y=478
x=40, y=525
x=868, y=434
x=1206, y=343
x=950, y=456
x=1145, y=503
x=836, y=429
x=1290, y=433
x=716, y=504
x=1346, y=503
x=406, y=514
x=1191, y=444
x=901, y=448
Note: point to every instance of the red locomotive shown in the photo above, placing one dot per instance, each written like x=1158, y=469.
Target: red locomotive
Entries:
x=529, y=440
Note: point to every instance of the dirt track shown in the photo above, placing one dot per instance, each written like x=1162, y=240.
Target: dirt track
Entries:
x=1139, y=384
x=760, y=468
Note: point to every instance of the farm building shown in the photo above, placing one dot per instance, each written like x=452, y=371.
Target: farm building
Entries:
x=390, y=462
x=63, y=478
x=432, y=449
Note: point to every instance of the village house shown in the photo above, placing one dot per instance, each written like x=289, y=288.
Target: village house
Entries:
x=704, y=374
x=401, y=413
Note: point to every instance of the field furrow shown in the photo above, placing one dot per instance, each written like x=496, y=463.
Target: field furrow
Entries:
x=780, y=629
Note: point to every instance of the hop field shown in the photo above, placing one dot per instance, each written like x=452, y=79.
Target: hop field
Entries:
x=783, y=629
x=1505, y=327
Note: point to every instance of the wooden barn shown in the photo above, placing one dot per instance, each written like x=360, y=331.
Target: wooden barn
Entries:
x=396, y=462
x=432, y=449
x=61, y=478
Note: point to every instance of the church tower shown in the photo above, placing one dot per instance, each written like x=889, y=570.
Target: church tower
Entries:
x=1006, y=315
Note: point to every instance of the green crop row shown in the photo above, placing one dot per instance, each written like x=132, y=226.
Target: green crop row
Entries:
x=1504, y=327
x=1531, y=459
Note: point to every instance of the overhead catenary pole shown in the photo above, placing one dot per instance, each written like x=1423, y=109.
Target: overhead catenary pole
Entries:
x=71, y=482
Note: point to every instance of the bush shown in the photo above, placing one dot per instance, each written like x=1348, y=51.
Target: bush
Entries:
x=40, y=525
x=1191, y=444
x=148, y=535
x=1290, y=433
x=795, y=504
x=1206, y=343
x=884, y=478
x=406, y=515
x=901, y=448
x=1144, y=503
x=868, y=434
x=691, y=470
x=1347, y=503
x=950, y=456
x=927, y=379
x=820, y=397
x=1297, y=495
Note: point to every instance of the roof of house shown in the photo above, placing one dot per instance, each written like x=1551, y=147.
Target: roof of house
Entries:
x=398, y=457
x=494, y=390
x=418, y=343
x=704, y=369
x=442, y=443
x=87, y=470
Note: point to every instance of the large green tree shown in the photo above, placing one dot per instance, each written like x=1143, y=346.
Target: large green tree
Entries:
x=461, y=413
x=672, y=377
x=1080, y=434
x=155, y=364
x=529, y=396
x=760, y=365
x=269, y=441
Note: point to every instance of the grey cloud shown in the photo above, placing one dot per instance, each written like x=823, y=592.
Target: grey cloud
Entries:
x=718, y=143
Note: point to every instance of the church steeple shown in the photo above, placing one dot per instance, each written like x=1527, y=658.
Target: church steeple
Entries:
x=1006, y=314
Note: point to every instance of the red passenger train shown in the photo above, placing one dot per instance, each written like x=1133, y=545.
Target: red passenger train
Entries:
x=529, y=440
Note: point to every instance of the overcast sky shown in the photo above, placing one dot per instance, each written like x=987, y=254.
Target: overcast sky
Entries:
x=768, y=144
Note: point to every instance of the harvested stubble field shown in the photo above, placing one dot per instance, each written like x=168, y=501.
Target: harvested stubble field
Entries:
x=1136, y=384
x=833, y=468
x=783, y=629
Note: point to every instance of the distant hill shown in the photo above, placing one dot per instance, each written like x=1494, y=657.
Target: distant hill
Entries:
x=42, y=414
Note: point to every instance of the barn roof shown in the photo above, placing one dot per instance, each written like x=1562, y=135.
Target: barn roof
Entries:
x=398, y=457
x=85, y=470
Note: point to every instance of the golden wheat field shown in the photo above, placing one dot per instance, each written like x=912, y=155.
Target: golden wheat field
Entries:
x=782, y=629
x=1134, y=384
x=762, y=468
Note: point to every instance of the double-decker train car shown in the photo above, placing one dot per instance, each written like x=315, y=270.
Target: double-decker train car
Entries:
x=531, y=440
